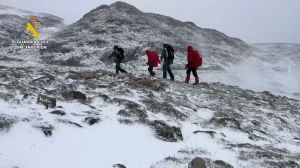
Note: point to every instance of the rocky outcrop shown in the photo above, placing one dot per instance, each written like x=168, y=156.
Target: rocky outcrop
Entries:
x=6, y=122
x=73, y=95
x=197, y=163
x=165, y=132
x=48, y=102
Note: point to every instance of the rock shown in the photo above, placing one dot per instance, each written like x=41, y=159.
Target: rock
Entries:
x=133, y=110
x=91, y=120
x=220, y=164
x=6, y=121
x=226, y=122
x=146, y=83
x=164, y=108
x=197, y=163
x=69, y=122
x=118, y=165
x=211, y=133
x=48, y=102
x=71, y=95
x=165, y=132
x=47, y=130
x=58, y=112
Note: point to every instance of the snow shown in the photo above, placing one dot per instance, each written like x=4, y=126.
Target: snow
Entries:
x=258, y=75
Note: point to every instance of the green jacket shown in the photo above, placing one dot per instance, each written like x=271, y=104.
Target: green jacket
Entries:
x=165, y=57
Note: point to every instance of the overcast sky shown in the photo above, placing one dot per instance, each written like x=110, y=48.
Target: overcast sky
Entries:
x=253, y=21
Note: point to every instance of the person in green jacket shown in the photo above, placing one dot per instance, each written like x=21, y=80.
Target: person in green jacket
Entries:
x=118, y=54
x=167, y=57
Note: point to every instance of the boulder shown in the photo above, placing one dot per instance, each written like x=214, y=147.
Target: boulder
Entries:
x=165, y=132
x=197, y=163
x=118, y=165
x=74, y=95
x=91, y=120
x=58, y=112
x=220, y=164
x=6, y=121
x=48, y=102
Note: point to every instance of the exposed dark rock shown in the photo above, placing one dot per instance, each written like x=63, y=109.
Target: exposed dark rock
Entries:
x=58, y=112
x=146, y=83
x=91, y=120
x=173, y=159
x=6, y=121
x=118, y=165
x=281, y=164
x=69, y=122
x=220, y=164
x=47, y=130
x=126, y=121
x=164, y=108
x=211, y=133
x=71, y=95
x=48, y=102
x=197, y=163
x=133, y=110
x=165, y=132
x=226, y=122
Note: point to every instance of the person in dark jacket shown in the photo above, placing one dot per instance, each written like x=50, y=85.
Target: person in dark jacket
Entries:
x=194, y=62
x=118, y=55
x=167, y=58
x=153, y=61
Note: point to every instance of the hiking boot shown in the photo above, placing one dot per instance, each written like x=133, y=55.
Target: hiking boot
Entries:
x=196, y=81
x=187, y=79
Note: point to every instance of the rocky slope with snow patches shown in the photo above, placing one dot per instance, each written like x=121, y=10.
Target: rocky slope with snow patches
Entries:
x=90, y=39
x=81, y=115
x=101, y=119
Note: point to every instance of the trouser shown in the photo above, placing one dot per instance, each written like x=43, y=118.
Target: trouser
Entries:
x=150, y=69
x=193, y=70
x=118, y=68
x=188, y=73
x=167, y=68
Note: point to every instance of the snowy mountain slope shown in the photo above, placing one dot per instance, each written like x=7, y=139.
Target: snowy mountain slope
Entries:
x=273, y=67
x=139, y=121
x=90, y=39
x=83, y=115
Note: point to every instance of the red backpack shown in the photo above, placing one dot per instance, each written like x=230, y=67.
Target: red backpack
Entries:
x=197, y=59
x=155, y=58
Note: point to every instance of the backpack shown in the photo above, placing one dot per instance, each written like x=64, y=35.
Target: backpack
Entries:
x=170, y=51
x=120, y=53
x=197, y=59
x=155, y=60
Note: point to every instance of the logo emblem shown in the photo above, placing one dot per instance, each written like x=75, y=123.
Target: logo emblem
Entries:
x=32, y=28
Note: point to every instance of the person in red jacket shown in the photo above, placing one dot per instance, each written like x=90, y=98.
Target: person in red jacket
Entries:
x=194, y=62
x=153, y=61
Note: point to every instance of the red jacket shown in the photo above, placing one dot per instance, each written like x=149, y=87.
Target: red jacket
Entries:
x=153, y=58
x=194, y=58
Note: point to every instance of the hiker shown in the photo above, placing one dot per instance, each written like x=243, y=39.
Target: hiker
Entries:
x=153, y=61
x=118, y=55
x=167, y=58
x=194, y=62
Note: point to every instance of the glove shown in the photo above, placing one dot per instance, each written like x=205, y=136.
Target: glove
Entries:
x=186, y=66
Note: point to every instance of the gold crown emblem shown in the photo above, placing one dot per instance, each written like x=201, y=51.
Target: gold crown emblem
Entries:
x=33, y=20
